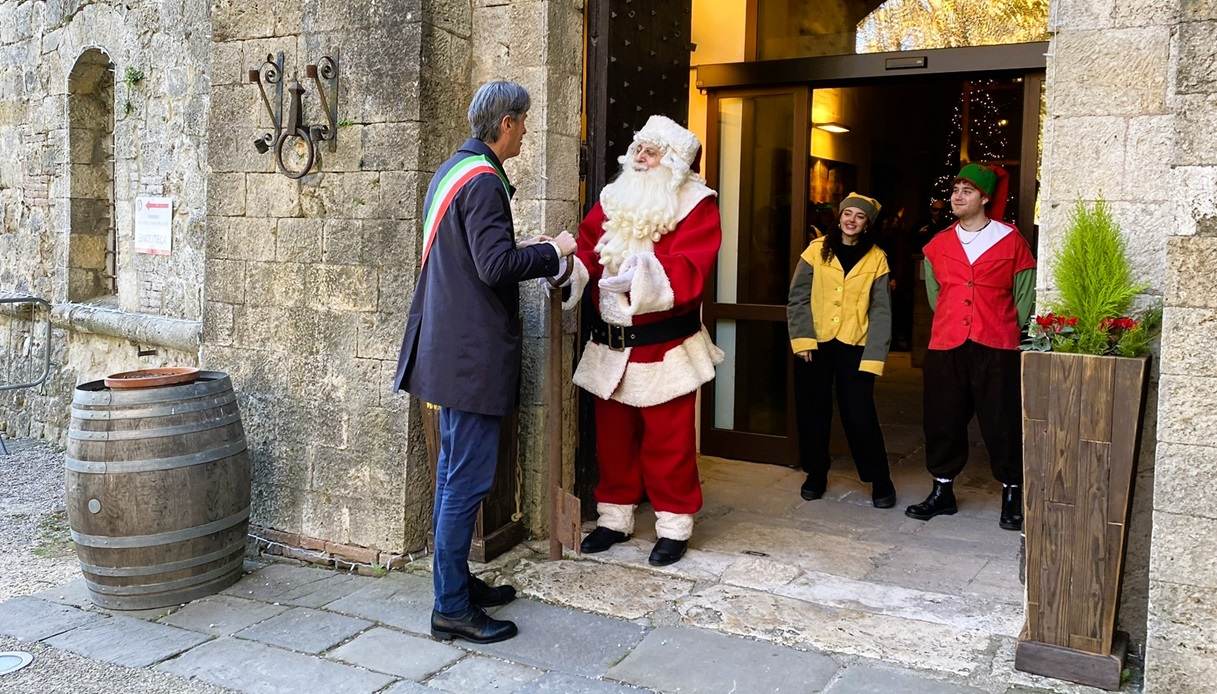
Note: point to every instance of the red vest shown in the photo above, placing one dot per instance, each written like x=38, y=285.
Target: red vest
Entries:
x=976, y=301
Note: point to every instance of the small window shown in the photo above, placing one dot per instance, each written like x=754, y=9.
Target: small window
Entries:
x=93, y=248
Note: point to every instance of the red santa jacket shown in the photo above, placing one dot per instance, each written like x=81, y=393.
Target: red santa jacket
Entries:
x=976, y=300
x=667, y=283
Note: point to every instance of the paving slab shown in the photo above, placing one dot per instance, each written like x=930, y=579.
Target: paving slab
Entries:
x=398, y=600
x=127, y=641
x=922, y=568
x=696, y=661
x=615, y=590
x=248, y=666
x=697, y=565
x=222, y=615
x=785, y=540
x=327, y=590
x=481, y=675
x=74, y=593
x=408, y=687
x=275, y=580
x=395, y=653
x=555, y=638
x=305, y=629
x=560, y=683
x=866, y=679
x=31, y=619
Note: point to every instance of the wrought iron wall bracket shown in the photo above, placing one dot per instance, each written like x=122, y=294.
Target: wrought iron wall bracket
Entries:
x=294, y=128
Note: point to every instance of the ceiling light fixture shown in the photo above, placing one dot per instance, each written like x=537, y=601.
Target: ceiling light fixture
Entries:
x=834, y=128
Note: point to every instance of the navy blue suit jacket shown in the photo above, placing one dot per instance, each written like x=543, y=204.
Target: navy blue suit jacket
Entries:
x=463, y=336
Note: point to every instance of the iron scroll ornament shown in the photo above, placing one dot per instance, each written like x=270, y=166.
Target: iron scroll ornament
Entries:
x=325, y=76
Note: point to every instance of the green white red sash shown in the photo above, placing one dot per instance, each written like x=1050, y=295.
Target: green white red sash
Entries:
x=449, y=186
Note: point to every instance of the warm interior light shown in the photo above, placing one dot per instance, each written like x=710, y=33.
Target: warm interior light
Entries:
x=834, y=128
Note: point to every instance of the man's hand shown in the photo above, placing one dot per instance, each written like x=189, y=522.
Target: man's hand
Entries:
x=619, y=283
x=566, y=243
x=805, y=355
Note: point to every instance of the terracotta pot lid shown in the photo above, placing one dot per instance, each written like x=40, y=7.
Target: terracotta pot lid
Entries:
x=151, y=378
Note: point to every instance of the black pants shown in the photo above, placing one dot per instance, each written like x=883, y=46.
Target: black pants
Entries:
x=836, y=363
x=973, y=380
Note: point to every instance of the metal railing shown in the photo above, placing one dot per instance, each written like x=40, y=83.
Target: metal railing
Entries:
x=25, y=360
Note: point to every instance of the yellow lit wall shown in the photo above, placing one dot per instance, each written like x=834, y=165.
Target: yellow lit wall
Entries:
x=718, y=32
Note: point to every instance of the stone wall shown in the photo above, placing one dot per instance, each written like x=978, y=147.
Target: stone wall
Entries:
x=1180, y=653
x=155, y=145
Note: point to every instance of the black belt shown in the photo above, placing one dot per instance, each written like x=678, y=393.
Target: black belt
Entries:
x=618, y=337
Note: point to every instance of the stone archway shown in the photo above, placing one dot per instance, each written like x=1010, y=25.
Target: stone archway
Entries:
x=92, y=248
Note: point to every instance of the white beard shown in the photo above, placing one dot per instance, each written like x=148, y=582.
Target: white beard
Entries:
x=639, y=208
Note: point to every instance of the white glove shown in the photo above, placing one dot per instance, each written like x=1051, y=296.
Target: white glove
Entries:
x=619, y=283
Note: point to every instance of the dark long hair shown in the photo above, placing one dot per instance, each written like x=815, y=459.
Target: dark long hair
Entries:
x=834, y=238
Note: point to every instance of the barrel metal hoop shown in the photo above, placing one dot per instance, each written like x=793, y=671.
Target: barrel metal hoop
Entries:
x=156, y=464
x=210, y=383
x=182, y=407
x=167, y=567
x=160, y=538
x=140, y=434
x=167, y=585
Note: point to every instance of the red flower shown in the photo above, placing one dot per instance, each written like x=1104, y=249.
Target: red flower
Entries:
x=1045, y=321
x=1072, y=321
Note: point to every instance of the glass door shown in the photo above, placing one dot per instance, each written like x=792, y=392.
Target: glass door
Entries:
x=756, y=158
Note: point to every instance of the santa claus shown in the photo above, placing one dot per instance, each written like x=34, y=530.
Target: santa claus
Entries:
x=645, y=250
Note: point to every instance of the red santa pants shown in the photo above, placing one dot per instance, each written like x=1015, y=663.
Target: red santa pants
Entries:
x=648, y=449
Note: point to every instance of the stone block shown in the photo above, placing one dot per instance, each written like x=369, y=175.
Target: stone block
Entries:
x=344, y=195
x=218, y=325
x=299, y=240
x=477, y=675
x=390, y=146
x=1174, y=557
x=398, y=600
x=382, y=650
x=279, y=284
x=1080, y=15
x=1197, y=10
x=1183, y=615
x=305, y=630
x=381, y=71
x=866, y=679
x=250, y=666
x=1178, y=670
x=1187, y=285
x=404, y=193
x=277, y=580
x=1193, y=121
x=227, y=66
x=1087, y=158
x=225, y=281
x=251, y=238
x=221, y=615
x=693, y=660
x=1187, y=410
x=1197, y=58
x=30, y=619
x=617, y=591
x=559, y=683
x=379, y=336
x=389, y=244
x=342, y=288
x=1110, y=72
x=226, y=194
x=127, y=641
x=1148, y=174
x=272, y=195
x=572, y=642
x=1185, y=481
x=1189, y=341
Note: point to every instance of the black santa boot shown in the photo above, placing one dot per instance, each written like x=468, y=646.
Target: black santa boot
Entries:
x=1011, y=507
x=940, y=502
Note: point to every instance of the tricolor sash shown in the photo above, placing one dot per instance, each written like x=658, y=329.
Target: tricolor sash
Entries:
x=449, y=186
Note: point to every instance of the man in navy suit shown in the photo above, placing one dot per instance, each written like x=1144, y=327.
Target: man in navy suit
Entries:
x=462, y=345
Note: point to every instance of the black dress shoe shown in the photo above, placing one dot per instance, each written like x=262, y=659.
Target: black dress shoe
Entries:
x=483, y=594
x=940, y=502
x=667, y=551
x=813, y=487
x=601, y=539
x=474, y=626
x=1011, y=508
x=883, y=494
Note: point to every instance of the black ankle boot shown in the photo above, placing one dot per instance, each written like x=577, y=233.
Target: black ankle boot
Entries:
x=474, y=626
x=1011, y=507
x=813, y=487
x=667, y=551
x=940, y=502
x=483, y=594
x=883, y=494
x=601, y=539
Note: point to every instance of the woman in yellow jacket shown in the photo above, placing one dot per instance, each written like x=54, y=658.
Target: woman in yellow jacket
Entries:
x=840, y=320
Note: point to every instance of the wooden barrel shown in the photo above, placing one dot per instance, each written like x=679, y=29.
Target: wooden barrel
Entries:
x=158, y=483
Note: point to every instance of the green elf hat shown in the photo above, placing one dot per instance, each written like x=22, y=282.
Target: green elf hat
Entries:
x=993, y=181
x=870, y=206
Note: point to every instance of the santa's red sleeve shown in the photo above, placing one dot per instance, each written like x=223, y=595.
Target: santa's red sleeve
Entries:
x=675, y=275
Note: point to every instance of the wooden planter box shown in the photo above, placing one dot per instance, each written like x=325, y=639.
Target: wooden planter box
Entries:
x=1081, y=433
x=495, y=532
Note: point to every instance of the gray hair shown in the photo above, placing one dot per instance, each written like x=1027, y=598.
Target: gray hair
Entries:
x=492, y=101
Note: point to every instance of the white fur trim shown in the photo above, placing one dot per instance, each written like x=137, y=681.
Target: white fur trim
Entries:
x=615, y=308
x=577, y=282
x=665, y=132
x=691, y=193
x=674, y=526
x=650, y=290
x=608, y=374
x=619, y=517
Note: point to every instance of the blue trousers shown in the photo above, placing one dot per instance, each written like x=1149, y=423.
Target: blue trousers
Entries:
x=469, y=452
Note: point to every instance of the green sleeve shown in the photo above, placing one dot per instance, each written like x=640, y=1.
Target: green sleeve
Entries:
x=879, y=327
x=1024, y=294
x=798, y=310
x=931, y=283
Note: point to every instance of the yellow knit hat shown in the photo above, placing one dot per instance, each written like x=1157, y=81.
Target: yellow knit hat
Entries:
x=870, y=206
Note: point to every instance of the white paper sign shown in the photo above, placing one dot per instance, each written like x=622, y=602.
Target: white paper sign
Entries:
x=154, y=225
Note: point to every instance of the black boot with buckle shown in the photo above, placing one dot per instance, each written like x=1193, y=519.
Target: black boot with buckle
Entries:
x=940, y=502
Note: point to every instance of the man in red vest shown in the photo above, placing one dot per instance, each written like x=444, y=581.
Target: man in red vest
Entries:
x=980, y=278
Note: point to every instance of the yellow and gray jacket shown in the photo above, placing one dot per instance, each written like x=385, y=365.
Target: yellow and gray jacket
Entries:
x=825, y=304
